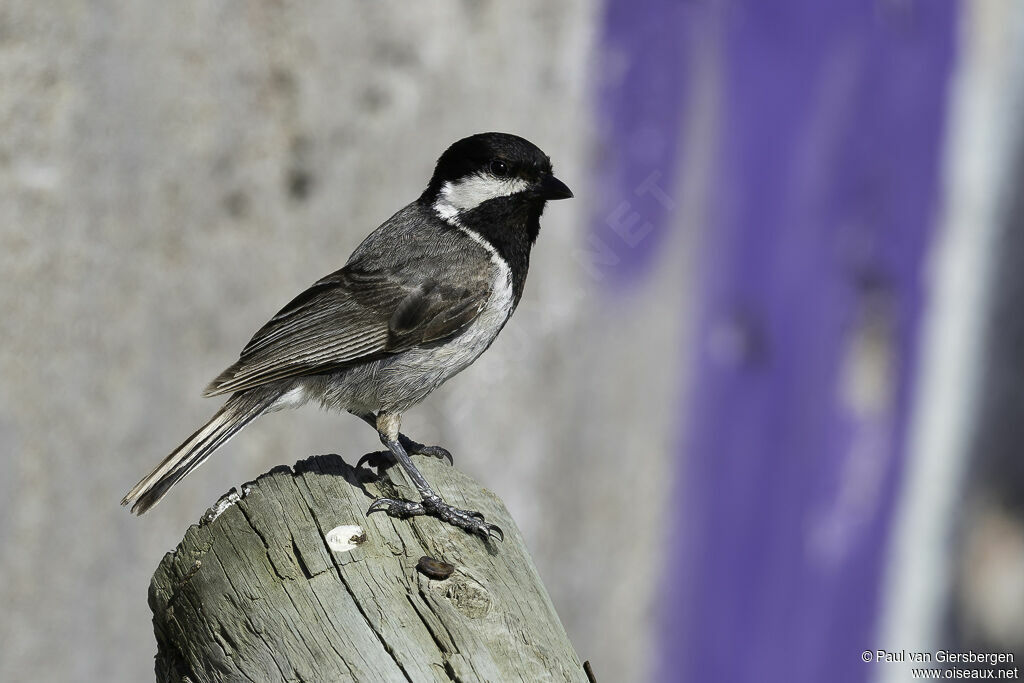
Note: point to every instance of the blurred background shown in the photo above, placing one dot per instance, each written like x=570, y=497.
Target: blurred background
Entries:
x=760, y=409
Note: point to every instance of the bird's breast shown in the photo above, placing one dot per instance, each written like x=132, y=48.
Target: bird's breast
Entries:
x=396, y=383
x=418, y=371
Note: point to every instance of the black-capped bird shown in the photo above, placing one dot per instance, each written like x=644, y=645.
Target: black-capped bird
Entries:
x=418, y=301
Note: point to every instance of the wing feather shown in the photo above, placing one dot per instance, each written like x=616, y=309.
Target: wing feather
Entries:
x=352, y=316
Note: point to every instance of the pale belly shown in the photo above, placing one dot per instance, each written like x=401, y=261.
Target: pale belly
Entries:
x=395, y=384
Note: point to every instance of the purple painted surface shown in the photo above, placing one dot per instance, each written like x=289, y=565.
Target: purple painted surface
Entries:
x=825, y=193
x=641, y=84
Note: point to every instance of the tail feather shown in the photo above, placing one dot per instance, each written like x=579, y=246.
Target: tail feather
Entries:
x=240, y=410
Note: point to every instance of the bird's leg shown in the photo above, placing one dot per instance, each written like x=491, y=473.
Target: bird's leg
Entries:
x=411, y=447
x=432, y=504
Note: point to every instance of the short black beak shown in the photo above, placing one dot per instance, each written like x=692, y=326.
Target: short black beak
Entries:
x=553, y=188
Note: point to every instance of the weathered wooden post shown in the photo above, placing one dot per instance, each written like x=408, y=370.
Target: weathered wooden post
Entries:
x=290, y=581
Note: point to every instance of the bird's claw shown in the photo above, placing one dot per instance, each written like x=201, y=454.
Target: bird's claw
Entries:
x=468, y=520
x=416, y=448
x=380, y=459
x=399, y=508
x=438, y=452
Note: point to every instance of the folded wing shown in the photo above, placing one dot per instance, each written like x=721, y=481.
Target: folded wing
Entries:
x=352, y=316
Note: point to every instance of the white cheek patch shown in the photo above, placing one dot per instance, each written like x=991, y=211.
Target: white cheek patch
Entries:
x=473, y=191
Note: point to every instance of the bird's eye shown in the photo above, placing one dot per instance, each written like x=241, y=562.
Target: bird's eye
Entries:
x=499, y=168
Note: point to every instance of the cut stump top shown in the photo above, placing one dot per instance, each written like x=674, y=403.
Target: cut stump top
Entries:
x=292, y=581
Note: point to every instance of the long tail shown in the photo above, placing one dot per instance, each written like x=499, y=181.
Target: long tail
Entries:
x=241, y=409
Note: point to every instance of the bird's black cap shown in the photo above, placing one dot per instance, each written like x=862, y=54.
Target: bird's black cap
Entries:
x=498, y=154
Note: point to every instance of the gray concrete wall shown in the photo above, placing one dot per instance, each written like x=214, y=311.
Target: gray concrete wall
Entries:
x=171, y=173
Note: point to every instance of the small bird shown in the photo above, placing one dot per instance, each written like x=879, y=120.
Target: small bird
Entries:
x=417, y=302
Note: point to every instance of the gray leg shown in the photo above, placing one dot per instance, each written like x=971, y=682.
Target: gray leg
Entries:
x=411, y=447
x=432, y=504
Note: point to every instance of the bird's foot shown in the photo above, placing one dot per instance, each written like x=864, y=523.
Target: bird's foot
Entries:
x=434, y=506
x=384, y=459
x=414, y=448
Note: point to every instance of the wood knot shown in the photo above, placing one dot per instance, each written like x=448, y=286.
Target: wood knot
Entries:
x=470, y=598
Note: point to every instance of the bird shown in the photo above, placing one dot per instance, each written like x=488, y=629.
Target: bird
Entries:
x=417, y=302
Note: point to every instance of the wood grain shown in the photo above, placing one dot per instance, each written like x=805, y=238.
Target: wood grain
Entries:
x=255, y=593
